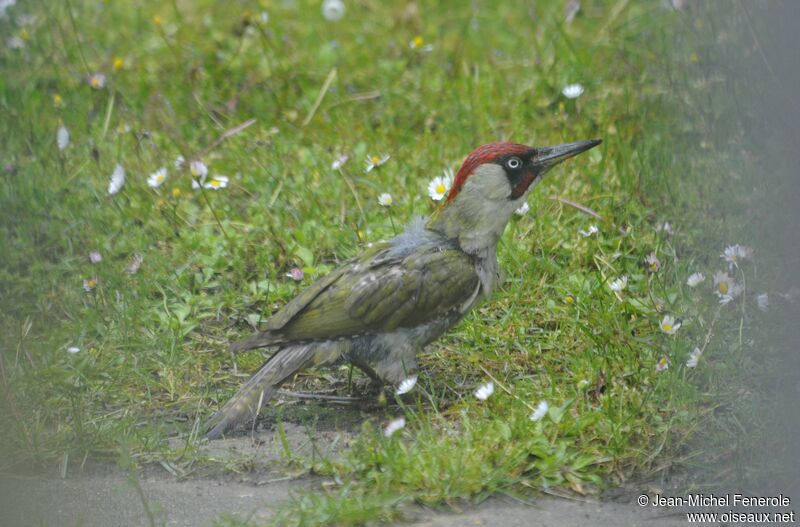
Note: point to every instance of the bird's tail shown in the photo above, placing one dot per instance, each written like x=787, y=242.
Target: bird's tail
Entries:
x=259, y=340
x=259, y=389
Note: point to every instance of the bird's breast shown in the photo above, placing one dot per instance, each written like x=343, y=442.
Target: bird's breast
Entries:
x=487, y=269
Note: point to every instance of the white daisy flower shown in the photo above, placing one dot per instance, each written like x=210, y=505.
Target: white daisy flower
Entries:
x=484, y=391
x=216, y=182
x=62, y=137
x=733, y=254
x=540, y=412
x=591, y=231
x=407, y=385
x=95, y=257
x=418, y=43
x=333, y=10
x=523, y=209
x=722, y=281
x=374, y=162
x=730, y=255
x=791, y=295
x=135, y=264
x=695, y=279
x=73, y=350
x=438, y=187
x=619, y=284
x=665, y=227
x=97, y=81
x=745, y=253
x=763, y=302
x=726, y=287
x=117, y=180
x=15, y=42
x=385, y=200
x=296, y=274
x=89, y=284
x=572, y=91
x=694, y=356
x=669, y=325
x=662, y=364
x=394, y=426
x=158, y=177
x=339, y=162
x=199, y=171
x=725, y=299
x=179, y=161
x=652, y=262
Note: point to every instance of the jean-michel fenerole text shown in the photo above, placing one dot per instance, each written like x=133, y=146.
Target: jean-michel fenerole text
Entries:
x=720, y=500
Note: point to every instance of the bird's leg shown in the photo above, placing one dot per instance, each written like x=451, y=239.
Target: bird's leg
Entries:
x=370, y=372
x=350, y=378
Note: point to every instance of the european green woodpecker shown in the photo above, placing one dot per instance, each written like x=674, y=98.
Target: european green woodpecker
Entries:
x=378, y=310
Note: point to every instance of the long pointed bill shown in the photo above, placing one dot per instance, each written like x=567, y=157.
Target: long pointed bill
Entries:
x=549, y=156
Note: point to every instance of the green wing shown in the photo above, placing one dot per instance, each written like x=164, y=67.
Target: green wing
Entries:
x=377, y=293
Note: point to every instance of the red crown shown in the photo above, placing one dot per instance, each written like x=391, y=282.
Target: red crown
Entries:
x=481, y=155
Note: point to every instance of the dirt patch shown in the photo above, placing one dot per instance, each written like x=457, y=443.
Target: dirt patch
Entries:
x=308, y=432
x=111, y=499
x=249, y=475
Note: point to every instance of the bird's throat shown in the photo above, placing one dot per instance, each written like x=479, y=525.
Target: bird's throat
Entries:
x=477, y=238
x=523, y=185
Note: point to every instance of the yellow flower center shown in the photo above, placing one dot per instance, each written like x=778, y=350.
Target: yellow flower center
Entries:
x=176, y=192
x=653, y=266
x=57, y=101
x=159, y=178
x=118, y=63
x=569, y=299
x=723, y=288
x=417, y=42
x=667, y=327
x=376, y=160
x=215, y=182
x=95, y=82
x=157, y=20
x=24, y=35
x=91, y=283
x=440, y=188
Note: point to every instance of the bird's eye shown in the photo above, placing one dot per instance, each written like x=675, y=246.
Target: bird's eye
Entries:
x=514, y=163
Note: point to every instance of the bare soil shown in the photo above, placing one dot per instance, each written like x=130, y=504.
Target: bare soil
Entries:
x=252, y=479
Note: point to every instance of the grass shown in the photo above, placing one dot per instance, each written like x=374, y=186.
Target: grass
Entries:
x=180, y=79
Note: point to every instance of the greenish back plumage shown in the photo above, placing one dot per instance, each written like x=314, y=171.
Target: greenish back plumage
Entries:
x=383, y=294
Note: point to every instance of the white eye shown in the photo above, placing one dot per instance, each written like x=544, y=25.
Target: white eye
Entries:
x=514, y=163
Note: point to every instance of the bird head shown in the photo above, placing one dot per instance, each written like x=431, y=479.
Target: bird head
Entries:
x=491, y=184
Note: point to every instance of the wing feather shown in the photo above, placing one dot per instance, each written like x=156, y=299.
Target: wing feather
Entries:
x=380, y=294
